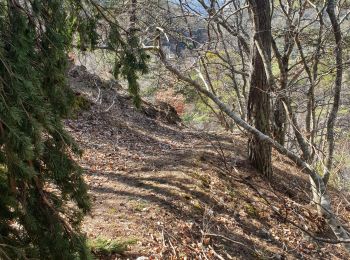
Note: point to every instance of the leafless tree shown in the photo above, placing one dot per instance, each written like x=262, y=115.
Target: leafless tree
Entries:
x=259, y=95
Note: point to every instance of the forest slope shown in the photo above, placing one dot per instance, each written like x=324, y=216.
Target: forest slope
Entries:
x=172, y=192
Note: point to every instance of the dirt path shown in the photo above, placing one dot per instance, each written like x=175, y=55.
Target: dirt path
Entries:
x=145, y=177
x=165, y=186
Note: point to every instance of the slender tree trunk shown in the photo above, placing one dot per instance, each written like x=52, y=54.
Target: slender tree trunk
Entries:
x=280, y=114
x=279, y=120
x=337, y=89
x=132, y=19
x=259, y=99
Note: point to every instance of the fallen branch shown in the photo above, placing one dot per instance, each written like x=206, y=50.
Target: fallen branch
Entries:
x=230, y=240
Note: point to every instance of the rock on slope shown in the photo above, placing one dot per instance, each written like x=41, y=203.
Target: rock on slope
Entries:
x=178, y=193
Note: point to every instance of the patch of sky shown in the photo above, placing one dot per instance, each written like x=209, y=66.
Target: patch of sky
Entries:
x=196, y=7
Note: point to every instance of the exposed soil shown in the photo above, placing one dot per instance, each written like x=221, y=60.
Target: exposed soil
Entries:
x=183, y=193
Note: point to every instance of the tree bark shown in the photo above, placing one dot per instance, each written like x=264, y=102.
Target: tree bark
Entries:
x=259, y=94
x=280, y=122
x=337, y=89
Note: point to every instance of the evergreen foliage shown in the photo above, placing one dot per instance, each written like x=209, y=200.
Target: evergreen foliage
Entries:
x=42, y=193
x=128, y=62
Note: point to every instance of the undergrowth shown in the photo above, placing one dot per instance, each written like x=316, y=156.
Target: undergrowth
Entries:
x=102, y=246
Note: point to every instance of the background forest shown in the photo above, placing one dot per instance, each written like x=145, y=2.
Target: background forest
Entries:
x=166, y=129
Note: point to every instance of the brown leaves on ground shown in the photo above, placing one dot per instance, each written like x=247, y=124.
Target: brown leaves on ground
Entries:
x=182, y=194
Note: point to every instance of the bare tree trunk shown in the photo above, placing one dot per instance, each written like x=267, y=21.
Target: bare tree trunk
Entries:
x=259, y=99
x=280, y=113
x=280, y=122
x=132, y=19
x=337, y=89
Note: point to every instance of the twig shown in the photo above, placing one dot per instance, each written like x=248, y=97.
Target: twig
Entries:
x=216, y=254
x=110, y=105
x=98, y=96
x=230, y=240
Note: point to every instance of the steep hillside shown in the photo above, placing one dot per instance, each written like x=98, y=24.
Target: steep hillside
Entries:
x=165, y=191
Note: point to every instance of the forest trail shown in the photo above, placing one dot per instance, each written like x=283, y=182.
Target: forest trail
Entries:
x=173, y=192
